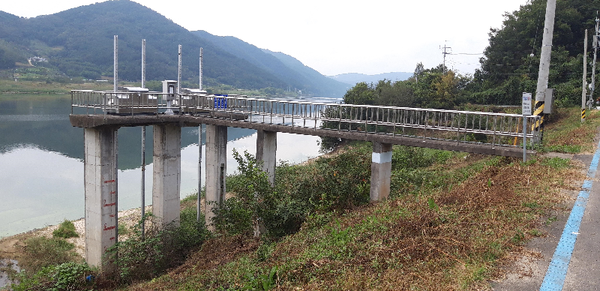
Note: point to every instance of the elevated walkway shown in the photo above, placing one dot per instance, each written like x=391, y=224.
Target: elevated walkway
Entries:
x=101, y=114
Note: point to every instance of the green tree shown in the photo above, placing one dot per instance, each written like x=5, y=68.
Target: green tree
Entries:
x=510, y=63
x=361, y=93
x=5, y=61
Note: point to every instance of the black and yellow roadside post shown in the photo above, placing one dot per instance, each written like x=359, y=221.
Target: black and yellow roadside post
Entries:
x=538, y=110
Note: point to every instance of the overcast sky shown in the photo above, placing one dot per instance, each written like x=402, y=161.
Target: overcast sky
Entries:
x=334, y=36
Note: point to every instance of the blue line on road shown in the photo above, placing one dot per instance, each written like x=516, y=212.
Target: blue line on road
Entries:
x=557, y=271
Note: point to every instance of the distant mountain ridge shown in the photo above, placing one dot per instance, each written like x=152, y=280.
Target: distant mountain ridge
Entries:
x=287, y=68
x=79, y=43
x=353, y=78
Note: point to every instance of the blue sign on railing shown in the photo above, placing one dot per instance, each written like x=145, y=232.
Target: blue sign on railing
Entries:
x=220, y=103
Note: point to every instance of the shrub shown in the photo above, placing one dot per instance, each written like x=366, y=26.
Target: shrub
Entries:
x=256, y=202
x=65, y=230
x=325, y=185
x=140, y=258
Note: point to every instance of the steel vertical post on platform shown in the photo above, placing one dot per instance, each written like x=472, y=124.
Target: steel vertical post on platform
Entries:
x=200, y=69
x=179, y=71
x=143, y=63
x=116, y=63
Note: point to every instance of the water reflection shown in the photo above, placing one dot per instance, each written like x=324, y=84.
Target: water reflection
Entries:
x=38, y=187
x=41, y=168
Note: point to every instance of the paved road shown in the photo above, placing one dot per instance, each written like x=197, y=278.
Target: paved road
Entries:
x=583, y=269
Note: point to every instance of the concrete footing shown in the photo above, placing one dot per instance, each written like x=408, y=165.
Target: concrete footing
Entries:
x=381, y=171
x=167, y=173
x=266, y=152
x=216, y=170
x=101, y=188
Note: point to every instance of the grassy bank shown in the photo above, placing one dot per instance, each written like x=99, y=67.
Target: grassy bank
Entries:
x=47, y=87
x=36, y=87
x=450, y=225
x=449, y=233
x=452, y=221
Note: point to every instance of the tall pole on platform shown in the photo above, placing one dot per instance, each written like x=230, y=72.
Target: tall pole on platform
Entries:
x=544, y=70
x=200, y=70
x=179, y=70
x=143, y=63
x=116, y=63
x=584, y=82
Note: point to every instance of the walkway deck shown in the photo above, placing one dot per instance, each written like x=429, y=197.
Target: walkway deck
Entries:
x=476, y=132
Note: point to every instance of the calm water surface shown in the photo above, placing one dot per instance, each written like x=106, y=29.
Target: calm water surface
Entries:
x=41, y=166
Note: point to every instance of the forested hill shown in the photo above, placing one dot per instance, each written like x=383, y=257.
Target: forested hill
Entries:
x=79, y=43
x=354, y=78
x=288, y=69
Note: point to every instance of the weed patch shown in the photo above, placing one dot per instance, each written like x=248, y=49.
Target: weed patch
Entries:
x=40, y=252
x=65, y=230
x=144, y=257
x=66, y=276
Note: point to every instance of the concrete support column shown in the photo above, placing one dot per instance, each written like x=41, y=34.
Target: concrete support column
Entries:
x=266, y=149
x=381, y=171
x=167, y=173
x=100, y=172
x=216, y=170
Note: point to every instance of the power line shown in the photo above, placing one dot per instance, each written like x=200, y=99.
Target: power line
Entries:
x=466, y=54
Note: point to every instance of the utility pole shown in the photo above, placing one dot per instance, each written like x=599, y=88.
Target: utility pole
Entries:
x=544, y=70
x=584, y=83
x=595, y=40
x=444, y=53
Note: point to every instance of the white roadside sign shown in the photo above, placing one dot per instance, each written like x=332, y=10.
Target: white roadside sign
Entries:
x=526, y=104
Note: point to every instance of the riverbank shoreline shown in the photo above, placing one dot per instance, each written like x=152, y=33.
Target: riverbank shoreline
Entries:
x=9, y=245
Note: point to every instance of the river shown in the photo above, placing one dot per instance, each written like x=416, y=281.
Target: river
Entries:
x=41, y=161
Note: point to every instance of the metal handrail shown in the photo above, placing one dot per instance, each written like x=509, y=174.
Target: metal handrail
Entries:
x=496, y=129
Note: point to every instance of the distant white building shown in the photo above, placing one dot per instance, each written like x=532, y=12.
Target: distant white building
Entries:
x=38, y=60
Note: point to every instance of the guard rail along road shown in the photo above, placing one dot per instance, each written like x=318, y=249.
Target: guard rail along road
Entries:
x=468, y=131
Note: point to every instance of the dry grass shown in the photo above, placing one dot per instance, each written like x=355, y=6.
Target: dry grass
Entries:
x=564, y=131
x=448, y=240
x=456, y=238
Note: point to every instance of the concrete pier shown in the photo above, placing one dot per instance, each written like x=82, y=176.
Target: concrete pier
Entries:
x=266, y=149
x=167, y=173
x=216, y=169
x=100, y=192
x=381, y=171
